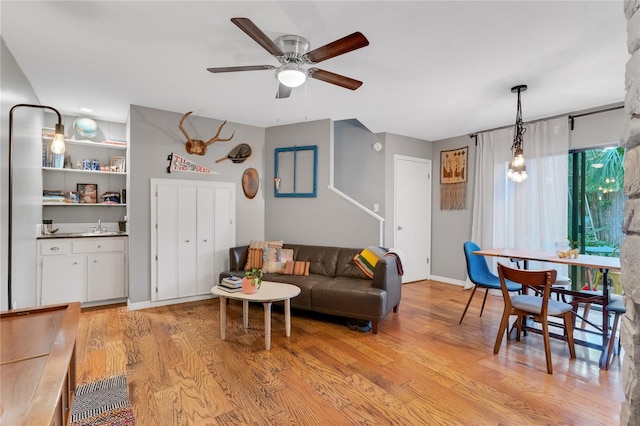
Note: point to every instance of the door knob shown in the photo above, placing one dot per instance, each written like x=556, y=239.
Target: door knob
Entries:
x=399, y=228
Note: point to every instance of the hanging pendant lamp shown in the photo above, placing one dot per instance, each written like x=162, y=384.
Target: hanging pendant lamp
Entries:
x=517, y=170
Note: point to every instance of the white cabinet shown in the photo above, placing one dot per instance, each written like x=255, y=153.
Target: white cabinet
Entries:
x=90, y=269
x=193, y=227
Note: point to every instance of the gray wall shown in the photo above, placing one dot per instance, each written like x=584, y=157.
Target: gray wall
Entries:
x=27, y=190
x=450, y=229
x=358, y=169
x=324, y=220
x=392, y=145
x=154, y=134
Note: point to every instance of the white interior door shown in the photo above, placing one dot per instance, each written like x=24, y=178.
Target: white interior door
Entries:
x=187, y=245
x=412, y=216
x=206, y=239
x=166, y=222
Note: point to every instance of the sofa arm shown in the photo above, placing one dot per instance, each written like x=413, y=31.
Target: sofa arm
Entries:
x=238, y=257
x=386, y=277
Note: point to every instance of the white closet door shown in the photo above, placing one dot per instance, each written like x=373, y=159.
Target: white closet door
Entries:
x=187, y=244
x=206, y=237
x=166, y=219
x=224, y=226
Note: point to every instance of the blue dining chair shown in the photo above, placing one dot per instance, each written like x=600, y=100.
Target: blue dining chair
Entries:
x=481, y=276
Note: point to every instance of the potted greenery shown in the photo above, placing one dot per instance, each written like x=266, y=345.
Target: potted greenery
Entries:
x=252, y=281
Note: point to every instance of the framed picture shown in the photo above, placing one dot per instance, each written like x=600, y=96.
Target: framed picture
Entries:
x=118, y=164
x=87, y=193
x=453, y=165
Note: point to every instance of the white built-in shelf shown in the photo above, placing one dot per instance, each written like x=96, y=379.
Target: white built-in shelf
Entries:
x=57, y=169
x=82, y=205
x=91, y=144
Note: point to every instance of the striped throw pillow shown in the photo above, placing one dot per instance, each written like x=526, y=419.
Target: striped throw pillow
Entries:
x=367, y=259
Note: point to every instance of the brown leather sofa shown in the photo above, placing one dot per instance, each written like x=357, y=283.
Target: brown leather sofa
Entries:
x=335, y=285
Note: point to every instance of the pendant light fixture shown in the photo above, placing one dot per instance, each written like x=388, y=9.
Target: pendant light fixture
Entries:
x=517, y=170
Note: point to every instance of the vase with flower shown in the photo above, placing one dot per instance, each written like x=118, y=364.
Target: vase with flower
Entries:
x=252, y=281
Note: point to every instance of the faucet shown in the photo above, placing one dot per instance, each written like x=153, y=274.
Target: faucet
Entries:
x=100, y=228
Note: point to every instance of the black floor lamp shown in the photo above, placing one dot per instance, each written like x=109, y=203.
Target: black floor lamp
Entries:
x=57, y=146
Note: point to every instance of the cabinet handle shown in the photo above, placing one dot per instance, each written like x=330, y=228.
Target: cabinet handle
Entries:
x=99, y=246
x=54, y=248
x=186, y=241
x=204, y=241
x=75, y=263
x=95, y=261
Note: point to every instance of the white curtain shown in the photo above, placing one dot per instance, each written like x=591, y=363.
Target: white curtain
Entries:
x=528, y=215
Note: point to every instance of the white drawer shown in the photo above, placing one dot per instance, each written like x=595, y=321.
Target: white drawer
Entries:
x=98, y=245
x=52, y=248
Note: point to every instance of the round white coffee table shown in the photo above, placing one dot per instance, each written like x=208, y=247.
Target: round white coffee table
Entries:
x=268, y=293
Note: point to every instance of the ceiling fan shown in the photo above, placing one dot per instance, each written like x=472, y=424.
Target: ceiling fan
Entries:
x=292, y=51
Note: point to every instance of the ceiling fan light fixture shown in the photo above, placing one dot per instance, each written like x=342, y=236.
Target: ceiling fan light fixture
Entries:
x=291, y=75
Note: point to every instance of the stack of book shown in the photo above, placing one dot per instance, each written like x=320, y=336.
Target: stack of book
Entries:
x=231, y=284
x=52, y=196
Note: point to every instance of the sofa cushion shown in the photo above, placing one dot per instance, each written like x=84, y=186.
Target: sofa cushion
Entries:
x=322, y=259
x=349, y=297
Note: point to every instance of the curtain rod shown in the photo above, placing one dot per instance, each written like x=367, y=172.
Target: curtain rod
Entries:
x=571, y=118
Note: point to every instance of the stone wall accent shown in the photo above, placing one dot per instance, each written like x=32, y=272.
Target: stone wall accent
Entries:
x=630, y=247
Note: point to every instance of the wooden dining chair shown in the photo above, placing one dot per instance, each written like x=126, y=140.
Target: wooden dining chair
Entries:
x=535, y=301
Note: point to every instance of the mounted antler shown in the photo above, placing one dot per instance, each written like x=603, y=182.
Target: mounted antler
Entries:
x=197, y=146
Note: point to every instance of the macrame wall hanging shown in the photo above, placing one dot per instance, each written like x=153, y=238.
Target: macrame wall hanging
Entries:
x=453, y=179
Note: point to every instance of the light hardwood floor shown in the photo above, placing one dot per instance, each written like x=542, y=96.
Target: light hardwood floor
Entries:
x=422, y=368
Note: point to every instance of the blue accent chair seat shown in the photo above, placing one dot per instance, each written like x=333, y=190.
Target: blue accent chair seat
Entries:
x=481, y=276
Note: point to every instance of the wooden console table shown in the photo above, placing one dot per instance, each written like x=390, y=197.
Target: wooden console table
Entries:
x=38, y=364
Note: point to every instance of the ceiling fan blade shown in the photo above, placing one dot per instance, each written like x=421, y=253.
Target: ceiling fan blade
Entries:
x=246, y=25
x=333, y=78
x=241, y=68
x=283, y=91
x=339, y=47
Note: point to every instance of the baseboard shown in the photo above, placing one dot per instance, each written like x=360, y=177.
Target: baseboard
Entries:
x=152, y=304
x=448, y=280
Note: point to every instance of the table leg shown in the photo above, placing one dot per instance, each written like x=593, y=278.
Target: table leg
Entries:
x=287, y=317
x=223, y=317
x=605, y=319
x=245, y=314
x=267, y=325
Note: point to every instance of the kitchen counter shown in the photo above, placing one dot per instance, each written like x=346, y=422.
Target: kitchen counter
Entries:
x=83, y=235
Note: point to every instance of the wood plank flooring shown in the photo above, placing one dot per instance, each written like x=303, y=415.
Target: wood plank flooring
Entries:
x=422, y=368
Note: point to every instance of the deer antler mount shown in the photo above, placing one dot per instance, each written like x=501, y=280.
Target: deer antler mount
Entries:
x=197, y=146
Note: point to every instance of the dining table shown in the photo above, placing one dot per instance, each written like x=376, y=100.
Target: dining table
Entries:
x=604, y=264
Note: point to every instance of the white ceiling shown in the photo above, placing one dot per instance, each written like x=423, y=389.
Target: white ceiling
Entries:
x=432, y=69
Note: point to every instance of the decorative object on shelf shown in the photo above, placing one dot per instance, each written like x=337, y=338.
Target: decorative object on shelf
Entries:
x=88, y=193
x=250, y=183
x=71, y=197
x=298, y=167
x=86, y=127
x=58, y=147
x=197, y=146
x=453, y=179
x=110, y=197
x=517, y=170
x=181, y=164
x=252, y=281
x=238, y=154
x=118, y=163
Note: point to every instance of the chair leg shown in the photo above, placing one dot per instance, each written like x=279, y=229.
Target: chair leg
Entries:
x=468, y=303
x=585, y=314
x=612, y=339
x=519, y=322
x=547, y=343
x=504, y=324
x=484, y=300
x=568, y=327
